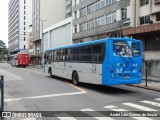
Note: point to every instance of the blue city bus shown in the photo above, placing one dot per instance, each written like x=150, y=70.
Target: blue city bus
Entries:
x=110, y=61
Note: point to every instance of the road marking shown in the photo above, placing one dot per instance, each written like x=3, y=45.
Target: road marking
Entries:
x=151, y=103
x=78, y=88
x=157, y=99
x=66, y=118
x=139, y=107
x=10, y=76
x=97, y=113
x=36, y=71
x=115, y=108
x=44, y=96
x=29, y=119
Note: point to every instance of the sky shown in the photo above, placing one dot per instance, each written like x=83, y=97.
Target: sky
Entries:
x=4, y=21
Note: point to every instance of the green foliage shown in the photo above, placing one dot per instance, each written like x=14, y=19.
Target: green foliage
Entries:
x=3, y=49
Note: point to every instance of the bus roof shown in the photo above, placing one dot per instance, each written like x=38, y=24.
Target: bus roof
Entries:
x=90, y=43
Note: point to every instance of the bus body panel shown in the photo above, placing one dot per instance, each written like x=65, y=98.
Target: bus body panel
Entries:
x=23, y=59
x=114, y=70
x=20, y=60
x=122, y=70
x=92, y=72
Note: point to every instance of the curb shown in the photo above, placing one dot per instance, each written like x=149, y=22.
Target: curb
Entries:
x=148, y=88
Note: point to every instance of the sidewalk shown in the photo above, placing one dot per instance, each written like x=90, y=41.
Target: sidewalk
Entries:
x=152, y=84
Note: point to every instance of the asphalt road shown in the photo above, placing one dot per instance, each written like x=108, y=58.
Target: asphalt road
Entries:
x=28, y=89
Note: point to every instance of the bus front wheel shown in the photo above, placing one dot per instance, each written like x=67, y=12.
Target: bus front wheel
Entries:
x=50, y=73
x=75, y=78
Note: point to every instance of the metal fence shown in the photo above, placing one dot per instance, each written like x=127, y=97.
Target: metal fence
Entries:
x=1, y=93
x=151, y=70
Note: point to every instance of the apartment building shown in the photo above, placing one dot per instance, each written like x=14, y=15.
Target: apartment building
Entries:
x=19, y=17
x=96, y=19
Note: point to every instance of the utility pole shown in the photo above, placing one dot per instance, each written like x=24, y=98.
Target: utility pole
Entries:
x=42, y=38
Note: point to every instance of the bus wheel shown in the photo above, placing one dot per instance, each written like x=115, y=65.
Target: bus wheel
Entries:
x=50, y=73
x=75, y=78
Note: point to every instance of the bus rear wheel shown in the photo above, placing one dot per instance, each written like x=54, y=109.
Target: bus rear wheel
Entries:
x=75, y=78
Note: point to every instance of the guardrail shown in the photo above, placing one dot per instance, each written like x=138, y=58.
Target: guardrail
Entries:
x=2, y=93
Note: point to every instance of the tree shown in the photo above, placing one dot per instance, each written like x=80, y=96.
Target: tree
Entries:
x=3, y=50
x=2, y=44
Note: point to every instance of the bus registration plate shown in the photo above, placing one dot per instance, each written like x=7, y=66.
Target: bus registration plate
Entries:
x=126, y=77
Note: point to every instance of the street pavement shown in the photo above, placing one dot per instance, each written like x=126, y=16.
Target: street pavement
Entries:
x=29, y=89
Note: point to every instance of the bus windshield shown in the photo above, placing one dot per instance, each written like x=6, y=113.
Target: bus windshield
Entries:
x=126, y=48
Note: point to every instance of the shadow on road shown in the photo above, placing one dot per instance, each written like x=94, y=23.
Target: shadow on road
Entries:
x=119, y=89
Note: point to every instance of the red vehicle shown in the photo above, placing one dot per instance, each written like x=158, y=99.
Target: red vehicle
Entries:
x=20, y=59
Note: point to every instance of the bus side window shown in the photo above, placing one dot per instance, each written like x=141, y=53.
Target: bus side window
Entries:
x=76, y=54
x=86, y=54
x=68, y=54
x=102, y=52
x=98, y=52
x=55, y=55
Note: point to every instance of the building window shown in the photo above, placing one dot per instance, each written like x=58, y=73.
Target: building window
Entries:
x=82, y=27
x=24, y=46
x=24, y=12
x=82, y=12
x=24, y=33
x=75, y=15
x=24, y=23
x=24, y=39
x=81, y=1
x=24, y=1
x=24, y=7
x=144, y=20
x=144, y=2
x=90, y=24
x=91, y=8
x=100, y=21
x=124, y=13
x=158, y=17
x=24, y=28
x=111, y=17
x=75, y=28
x=99, y=5
x=24, y=17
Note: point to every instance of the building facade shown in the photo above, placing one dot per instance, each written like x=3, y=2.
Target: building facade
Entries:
x=96, y=19
x=140, y=19
x=19, y=18
x=45, y=13
x=147, y=29
x=68, y=8
x=59, y=34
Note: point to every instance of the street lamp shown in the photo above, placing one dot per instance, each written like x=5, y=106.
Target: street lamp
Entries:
x=121, y=25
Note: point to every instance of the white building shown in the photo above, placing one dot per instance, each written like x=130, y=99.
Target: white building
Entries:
x=58, y=35
x=19, y=18
x=45, y=14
